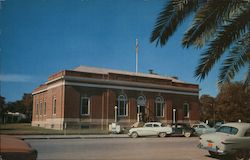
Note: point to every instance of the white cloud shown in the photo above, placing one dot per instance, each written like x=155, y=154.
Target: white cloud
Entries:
x=16, y=78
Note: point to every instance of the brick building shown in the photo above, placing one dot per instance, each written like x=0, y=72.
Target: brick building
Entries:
x=96, y=97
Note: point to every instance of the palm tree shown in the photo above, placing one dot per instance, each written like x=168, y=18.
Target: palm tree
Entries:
x=223, y=26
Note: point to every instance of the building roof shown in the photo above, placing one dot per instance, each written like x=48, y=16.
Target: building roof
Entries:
x=107, y=71
x=109, y=78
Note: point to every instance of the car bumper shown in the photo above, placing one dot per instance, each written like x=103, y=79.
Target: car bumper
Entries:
x=31, y=155
x=129, y=133
x=215, y=150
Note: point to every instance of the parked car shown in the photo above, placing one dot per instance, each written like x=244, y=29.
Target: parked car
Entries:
x=231, y=139
x=182, y=129
x=13, y=148
x=202, y=128
x=150, y=129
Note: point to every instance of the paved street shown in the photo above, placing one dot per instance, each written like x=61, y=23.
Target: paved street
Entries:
x=170, y=148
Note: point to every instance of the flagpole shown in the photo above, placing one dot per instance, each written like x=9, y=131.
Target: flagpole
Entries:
x=136, y=52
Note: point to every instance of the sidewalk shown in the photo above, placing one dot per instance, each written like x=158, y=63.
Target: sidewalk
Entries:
x=74, y=136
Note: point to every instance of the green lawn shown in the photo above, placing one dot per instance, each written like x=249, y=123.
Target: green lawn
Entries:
x=27, y=129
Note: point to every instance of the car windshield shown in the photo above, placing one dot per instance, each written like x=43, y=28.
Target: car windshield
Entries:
x=227, y=130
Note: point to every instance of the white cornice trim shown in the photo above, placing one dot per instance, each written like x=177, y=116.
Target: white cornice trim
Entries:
x=129, y=88
x=126, y=83
x=117, y=84
x=57, y=84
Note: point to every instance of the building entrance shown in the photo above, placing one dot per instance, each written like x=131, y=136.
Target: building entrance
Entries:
x=141, y=109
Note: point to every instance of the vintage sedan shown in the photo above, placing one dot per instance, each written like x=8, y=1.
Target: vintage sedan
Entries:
x=13, y=148
x=182, y=129
x=150, y=129
x=231, y=140
x=202, y=128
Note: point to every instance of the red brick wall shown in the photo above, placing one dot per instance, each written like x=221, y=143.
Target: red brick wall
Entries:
x=72, y=102
x=104, y=100
x=48, y=96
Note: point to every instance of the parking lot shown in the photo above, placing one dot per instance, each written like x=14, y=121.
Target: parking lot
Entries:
x=169, y=148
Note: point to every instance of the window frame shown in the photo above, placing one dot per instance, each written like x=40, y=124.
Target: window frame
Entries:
x=37, y=109
x=54, y=106
x=228, y=130
x=159, y=102
x=188, y=110
x=148, y=125
x=125, y=107
x=81, y=106
x=41, y=108
x=45, y=108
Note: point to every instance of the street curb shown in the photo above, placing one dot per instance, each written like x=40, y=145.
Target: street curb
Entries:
x=75, y=137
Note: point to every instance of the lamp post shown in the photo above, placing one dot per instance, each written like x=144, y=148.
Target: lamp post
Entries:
x=115, y=114
x=138, y=114
x=174, y=112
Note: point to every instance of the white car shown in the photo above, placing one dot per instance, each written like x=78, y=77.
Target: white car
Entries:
x=150, y=129
x=202, y=128
x=231, y=139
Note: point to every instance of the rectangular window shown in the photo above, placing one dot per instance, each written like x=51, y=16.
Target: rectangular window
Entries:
x=85, y=106
x=122, y=111
x=122, y=108
x=159, y=109
x=44, y=109
x=186, y=110
x=54, y=106
x=41, y=108
x=37, y=108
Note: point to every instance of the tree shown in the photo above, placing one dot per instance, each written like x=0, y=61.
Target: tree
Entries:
x=2, y=108
x=22, y=106
x=233, y=102
x=27, y=101
x=207, y=107
x=220, y=25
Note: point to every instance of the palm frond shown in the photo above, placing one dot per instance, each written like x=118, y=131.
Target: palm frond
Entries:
x=207, y=19
x=171, y=17
x=227, y=35
x=237, y=59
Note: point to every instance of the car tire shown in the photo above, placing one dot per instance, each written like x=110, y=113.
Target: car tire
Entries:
x=242, y=155
x=134, y=135
x=162, y=134
x=187, y=134
x=213, y=154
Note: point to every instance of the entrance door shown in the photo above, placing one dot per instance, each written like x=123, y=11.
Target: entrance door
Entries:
x=141, y=105
x=141, y=112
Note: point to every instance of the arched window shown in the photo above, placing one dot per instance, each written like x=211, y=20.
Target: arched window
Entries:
x=122, y=105
x=159, y=106
x=141, y=100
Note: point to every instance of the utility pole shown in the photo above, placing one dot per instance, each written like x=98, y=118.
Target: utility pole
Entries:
x=136, y=52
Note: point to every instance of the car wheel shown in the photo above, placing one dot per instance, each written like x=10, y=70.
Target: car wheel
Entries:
x=162, y=134
x=187, y=134
x=242, y=155
x=213, y=154
x=134, y=135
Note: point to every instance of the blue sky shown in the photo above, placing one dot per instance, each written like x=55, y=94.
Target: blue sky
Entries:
x=42, y=37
